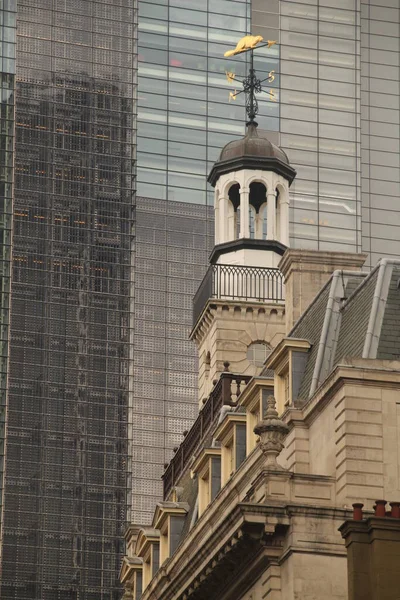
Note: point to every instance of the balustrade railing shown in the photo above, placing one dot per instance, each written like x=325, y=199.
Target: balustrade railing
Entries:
x=236, y=282
x=226, y=391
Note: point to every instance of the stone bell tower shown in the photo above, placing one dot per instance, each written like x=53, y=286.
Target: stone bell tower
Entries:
x=239, y=307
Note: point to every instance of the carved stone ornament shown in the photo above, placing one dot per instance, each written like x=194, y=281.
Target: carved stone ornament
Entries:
x=128, y=592
x=272, y=432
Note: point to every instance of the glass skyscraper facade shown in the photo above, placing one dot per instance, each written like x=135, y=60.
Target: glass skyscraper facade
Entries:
x=339, y=119
x=380, y=137
x=319, y=116
x=184, y=117
x=67, y=454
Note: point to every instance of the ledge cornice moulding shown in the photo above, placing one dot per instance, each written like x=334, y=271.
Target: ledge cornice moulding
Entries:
x=302, y=260
x=215, y=306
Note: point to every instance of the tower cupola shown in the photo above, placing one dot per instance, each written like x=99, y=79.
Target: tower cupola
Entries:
x=251, y=179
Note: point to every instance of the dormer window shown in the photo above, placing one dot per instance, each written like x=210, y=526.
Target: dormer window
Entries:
x=148, y=549
x=147, y=570
x=286, y=386
x=169, y=519
x=254, y=400
x=228, y=454
x=288, y=361
x=131, y=576
x=207, y=468
x=232, y=435
x=164, y=546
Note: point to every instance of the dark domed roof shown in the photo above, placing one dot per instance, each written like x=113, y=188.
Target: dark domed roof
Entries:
x=254, y=143
x=253, y=151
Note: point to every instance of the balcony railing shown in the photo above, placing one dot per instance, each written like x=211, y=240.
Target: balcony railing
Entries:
x=226, y=391
x=235, y=282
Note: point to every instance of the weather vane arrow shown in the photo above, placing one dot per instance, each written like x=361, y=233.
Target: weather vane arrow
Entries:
x=252, y=85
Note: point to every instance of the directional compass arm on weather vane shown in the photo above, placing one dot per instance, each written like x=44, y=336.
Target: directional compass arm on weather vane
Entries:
x=251, y=84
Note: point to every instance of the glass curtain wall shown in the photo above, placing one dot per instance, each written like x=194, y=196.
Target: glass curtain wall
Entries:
x=339, y=107
x=184, y=120
x=320, y=120
x=7, y=132
x=65, y=491
x=380, y=136
x=185, y=116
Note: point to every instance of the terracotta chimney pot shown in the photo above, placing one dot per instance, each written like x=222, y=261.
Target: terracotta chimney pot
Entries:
x=357, y=511
x=380, y=508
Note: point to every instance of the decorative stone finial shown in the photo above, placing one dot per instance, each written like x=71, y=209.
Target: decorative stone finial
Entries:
x=176, y=493
x=272, y=432
x=128, y=592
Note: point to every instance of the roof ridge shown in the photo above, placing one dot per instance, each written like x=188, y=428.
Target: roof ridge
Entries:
x=328, y=335
x=379, y=301
x=366, y=278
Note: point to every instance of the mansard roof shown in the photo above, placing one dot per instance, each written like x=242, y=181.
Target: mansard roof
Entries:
x=355, y=315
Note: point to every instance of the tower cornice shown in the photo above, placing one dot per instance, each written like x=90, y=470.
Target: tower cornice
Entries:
x=246, y=244
x=253, y=163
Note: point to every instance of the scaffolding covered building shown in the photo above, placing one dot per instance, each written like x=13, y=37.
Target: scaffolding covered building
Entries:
x=67, y=445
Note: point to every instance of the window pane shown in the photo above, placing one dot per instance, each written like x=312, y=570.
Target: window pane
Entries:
x=180, y=15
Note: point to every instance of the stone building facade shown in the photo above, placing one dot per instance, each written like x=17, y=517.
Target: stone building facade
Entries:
x=256, y=493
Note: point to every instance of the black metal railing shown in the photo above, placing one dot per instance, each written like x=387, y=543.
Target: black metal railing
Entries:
x=235, y=282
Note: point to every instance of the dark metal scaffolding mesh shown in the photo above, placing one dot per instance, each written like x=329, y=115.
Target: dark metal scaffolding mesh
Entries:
x=65, y=500
x=7, y=138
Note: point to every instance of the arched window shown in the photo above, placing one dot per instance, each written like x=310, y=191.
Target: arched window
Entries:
x=234, y=212
x=237, y=223
x=257, y=353
x=257, y=200
x=207, y=363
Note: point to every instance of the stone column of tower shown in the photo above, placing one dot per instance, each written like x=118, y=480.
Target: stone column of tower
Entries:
x=239, y=307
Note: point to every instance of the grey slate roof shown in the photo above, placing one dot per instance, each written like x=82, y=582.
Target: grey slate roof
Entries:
x=354, y=320
x=389, y=343
x=354, y=315
x=309, y=328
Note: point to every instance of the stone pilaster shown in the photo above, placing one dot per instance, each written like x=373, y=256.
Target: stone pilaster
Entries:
x=272, y=585
x=359, y=443
x=296, y=454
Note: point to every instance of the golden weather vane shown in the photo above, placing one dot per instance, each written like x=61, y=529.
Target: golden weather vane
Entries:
x=251, y=84
x=248, y=42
